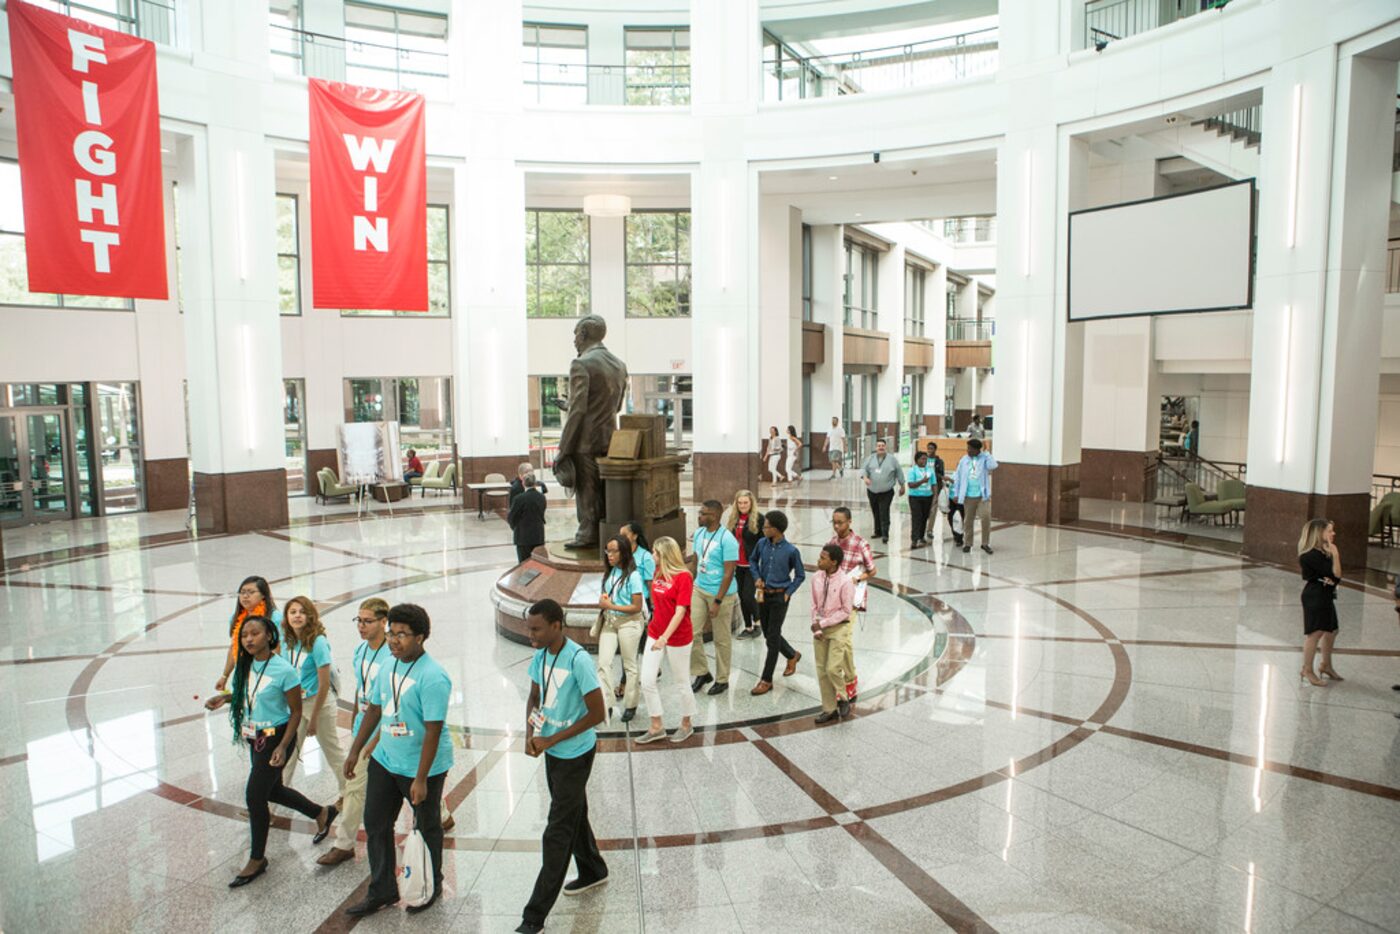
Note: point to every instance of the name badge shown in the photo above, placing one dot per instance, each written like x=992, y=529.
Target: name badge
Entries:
x=364, y=706
x=247, y=731
x=537, y=718
x=399, y=730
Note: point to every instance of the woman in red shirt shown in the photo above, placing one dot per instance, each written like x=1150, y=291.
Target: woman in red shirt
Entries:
x=670, y=635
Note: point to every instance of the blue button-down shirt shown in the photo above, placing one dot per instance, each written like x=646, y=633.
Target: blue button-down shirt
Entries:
x=778, y=566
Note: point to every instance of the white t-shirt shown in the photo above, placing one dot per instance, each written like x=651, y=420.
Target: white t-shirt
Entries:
x=836, y=439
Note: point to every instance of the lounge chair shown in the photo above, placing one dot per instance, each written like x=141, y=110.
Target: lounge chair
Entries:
x=1198, y=507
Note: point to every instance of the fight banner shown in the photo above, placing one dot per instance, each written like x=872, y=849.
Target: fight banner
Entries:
x=369, y=198
x=88, y=126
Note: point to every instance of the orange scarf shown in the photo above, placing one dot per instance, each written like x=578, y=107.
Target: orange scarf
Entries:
x=259, y=610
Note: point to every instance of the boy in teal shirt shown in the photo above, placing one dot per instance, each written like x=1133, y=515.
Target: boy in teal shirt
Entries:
x=566, y=703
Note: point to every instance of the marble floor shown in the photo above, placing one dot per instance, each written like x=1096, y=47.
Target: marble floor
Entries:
x=1096, y=728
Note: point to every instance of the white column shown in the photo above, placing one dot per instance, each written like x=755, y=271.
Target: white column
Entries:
x=780, y=333
x=890, y=302
x=828, y=267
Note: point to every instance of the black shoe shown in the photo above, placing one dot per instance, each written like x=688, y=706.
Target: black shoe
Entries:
x=843, y=707
x=320, y=835
x=826, y=716
x=700, y=681
x=967, y=549
x=957, y=541
x=628, y=714
x=414, y=909
x=719, y=687
x=852, y=700
x=370, y=905
x=529, y=927
x=987, y=549
x=885, y=539
x=240, y=881
x=579, y=886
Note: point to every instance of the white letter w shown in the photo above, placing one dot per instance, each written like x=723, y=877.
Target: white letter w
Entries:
x=365, y=149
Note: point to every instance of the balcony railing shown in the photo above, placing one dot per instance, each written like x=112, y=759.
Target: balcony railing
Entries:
x=374, y=64
x=948, y=60
x=1242, y=125
x=149, y=19
x=966, y=230
x=636, y=85
x=1392, y=267
x=967, y=329
x=1107, y=20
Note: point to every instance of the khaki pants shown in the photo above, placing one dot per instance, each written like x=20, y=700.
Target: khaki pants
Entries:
x=848, y=659
x=832, y=651
x=651, y=691
x=974, y=506
x=327, y=737
x=701, y=604
x=623, y=632
x=352, y=806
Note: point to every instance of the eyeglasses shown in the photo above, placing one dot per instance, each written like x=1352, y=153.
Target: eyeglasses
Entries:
x=401, y=635
x=366, y=622
x=250, y=592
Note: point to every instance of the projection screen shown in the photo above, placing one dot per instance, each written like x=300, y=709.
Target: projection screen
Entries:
x=1180, y=253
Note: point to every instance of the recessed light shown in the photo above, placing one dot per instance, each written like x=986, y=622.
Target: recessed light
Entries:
x=831, y=178
x=858, y=214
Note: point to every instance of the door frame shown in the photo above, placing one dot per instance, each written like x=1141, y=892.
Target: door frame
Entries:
x=28, y=514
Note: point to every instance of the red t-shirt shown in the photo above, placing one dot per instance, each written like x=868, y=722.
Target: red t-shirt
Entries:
x=665, y=597
x=415, y=464
x=739, y=528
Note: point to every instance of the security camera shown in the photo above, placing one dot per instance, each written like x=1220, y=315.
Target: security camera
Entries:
x=877, y=157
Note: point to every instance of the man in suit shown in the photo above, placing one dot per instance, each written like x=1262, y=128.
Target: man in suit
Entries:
x=526, y=517
x=517, y=486
x=597, y=386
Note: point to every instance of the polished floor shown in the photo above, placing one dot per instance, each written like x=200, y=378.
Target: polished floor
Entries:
x=1097, y=728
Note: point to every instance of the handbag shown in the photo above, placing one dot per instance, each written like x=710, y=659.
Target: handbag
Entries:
x=957, y=522
x=415, y=869
x=597, y=629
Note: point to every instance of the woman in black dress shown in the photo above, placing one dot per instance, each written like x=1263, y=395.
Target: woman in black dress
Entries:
x=1321, y=565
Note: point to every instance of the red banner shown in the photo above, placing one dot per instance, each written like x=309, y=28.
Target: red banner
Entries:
x=369, y=198
x=88, y=126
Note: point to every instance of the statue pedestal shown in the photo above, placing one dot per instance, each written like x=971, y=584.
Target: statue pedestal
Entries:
x=571, y=578
x=647, y=491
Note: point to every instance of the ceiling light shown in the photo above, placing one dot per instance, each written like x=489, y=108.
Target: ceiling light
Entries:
x=607, y=205
x=831, y=178
x=858, y=214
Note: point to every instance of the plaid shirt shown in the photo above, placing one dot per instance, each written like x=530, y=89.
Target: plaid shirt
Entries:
x=855, y=552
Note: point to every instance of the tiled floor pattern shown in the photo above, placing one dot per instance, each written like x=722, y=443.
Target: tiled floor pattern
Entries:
x=1085, y=731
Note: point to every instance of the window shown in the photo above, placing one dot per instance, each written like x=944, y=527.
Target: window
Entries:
x=551, y=389
x=806, y=272
x=14, y=272
x=422, y=405
x=288, y=257
x=787, y=76
x=916, y=402
x=556, y=264
x=658, y=264
x=398, y=49
x=439, y=272
x=149, y=19
x=285, y=37
x=556, y=64
x=658, y=66
x=914, y=281
x=862, y=285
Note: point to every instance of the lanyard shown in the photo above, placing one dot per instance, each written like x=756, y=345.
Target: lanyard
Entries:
x=252, y=696
x=549, y=678
x=365, y=665
x=709, y=546
x=296, y=658
x=396, y=684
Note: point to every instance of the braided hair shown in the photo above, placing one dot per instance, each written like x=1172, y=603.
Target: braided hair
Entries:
x=238, y=697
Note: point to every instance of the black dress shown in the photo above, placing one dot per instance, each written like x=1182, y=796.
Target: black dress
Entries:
x=1319, y=596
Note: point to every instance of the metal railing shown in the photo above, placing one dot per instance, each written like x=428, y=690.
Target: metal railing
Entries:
x=968, y=329
x=945, y=60
x=635, y=85
x=980, y=229
x=1392, y=267
x=1243, y=124
x=1107, y=20
x=149, y=19
x=1383, y=484
x=1173, y=473
x=321, y=55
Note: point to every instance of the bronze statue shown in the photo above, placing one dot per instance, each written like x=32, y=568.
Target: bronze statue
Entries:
x=597, y=387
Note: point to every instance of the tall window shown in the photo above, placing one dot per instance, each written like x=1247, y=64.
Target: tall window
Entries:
x=862, y=286
x=916, y=402
x=658, y=66
x=914, y=281
x=14, y=274
x=285, y=36
x=422, y=405
x=398, y=49
x=556, y=264
x=658, y=264
x=439, y=272
x=149, y=19
x=288, y=257
x=556, y=64
x=806, y=272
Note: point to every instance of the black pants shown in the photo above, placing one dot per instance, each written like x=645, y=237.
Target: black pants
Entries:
x=385, y=794
x=748, y=606
x=265, y=785
x=773, y=612
x=523, y=551
x=880, y=506
x=567, y=834
x=919, y=507
x=956, y=508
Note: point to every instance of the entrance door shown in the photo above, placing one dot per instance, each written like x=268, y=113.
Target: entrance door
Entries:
x=34, y=477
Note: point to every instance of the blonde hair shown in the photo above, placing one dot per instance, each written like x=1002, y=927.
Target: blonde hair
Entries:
x=376, y=605
x=669, y=559
x=1312, y=535
x=309, y=632
x=733, y=521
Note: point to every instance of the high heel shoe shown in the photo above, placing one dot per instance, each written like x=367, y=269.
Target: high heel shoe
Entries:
x=1330, y=674
x=1307, y=677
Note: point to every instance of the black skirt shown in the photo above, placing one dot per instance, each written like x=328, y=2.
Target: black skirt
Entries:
x=1319, y=609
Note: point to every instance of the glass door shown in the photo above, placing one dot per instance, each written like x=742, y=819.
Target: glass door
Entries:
x=48, y=476
x=12, y=483
x=294, y=435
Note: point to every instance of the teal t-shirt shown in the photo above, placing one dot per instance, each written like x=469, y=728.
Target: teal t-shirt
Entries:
x=646, y=565
x=920, y=473
x=410, y=694
x=308, y=661
x=266, y=692
x=564, y=680
x=367, y=663
x=712, y=549
x=621, y=590
x=974, y=477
